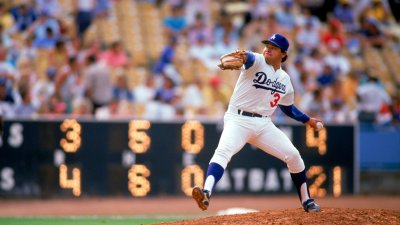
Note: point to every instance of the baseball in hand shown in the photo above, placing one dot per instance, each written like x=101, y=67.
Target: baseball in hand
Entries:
x=320, y=125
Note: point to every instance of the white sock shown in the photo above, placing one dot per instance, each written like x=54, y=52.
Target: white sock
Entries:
x=304, y=193
x=209, y=184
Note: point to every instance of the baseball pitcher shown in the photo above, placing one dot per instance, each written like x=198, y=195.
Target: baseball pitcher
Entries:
x=262, y=87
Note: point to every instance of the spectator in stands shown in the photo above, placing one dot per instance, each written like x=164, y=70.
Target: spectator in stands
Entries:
x=274, y=28
x=43, y=90
x=371, y=32
x=344, y=12
x=67, y=84
x=98, y=84
x=256, y=9
x=94, y=47
x=57, y=105
x=6, y=99
x=339, y=113
x=165, y=65
x=176, y=24
x=307, y=38
x=194, y=7
x=199, y=27
x=74, y=47
x=377, y=11
x=353, y=43
x=350, y=84
x=25, y=108
x=327, y=77
x=145, y=91
x=371, y=96
x=305, y=16
x=108, y=111
x=314, y=63
x=192, y=99
x=27, y=49
x=213, y=96
x=115, y=56
x=224, y=47
x=7, y=69
x=5, y=38
x=315, y=104
x=296, y=69
x=121, y=90
x=167, y=92
x=204, y=53
x=334, y=35
x=42, y=24
x=26, y=74
x=224, y=26
x=51, y=7
x=47, y=42
x=162, y=107
x=285, y=17
x=83, y=15
x=59, y=55
x=253, y=32
x=82, y=107
x=101, y=8
x=24, y=16
x=6, y=19
x=336, y=60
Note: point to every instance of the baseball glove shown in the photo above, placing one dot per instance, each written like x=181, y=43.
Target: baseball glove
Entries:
x=233, y=60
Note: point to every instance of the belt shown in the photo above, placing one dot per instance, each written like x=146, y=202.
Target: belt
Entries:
x=250, y=114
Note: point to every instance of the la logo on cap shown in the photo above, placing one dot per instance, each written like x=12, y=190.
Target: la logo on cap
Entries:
x=273, y=37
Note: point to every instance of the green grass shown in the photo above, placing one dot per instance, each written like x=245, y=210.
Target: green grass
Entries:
x=82, y=221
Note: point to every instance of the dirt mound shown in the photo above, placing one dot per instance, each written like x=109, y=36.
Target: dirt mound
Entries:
x=298, y=216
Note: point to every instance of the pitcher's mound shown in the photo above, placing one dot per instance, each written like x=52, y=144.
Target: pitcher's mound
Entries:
x=298, y=216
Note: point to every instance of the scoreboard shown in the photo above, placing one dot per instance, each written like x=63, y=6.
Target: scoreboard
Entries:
x=139, y=158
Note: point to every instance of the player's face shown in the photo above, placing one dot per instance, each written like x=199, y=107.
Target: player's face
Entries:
x=273, y=54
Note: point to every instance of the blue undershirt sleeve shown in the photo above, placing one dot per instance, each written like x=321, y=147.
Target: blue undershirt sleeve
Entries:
x=251, y=58
x=293, y=112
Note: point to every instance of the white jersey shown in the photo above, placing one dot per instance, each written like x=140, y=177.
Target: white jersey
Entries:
x=260, y=88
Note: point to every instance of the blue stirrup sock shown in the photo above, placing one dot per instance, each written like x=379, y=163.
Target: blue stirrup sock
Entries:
x=214, y=174
x=300, y=181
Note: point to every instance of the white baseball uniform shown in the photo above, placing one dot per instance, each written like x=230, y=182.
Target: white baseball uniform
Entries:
x=259, y=90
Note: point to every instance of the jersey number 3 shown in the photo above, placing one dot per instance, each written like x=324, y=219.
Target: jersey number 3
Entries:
x=274, y=103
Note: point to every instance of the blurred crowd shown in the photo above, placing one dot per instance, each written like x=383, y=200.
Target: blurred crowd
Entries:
x=49, y=67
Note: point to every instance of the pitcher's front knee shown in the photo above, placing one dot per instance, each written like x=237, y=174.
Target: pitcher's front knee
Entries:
x=221, y=157
x=294, y=162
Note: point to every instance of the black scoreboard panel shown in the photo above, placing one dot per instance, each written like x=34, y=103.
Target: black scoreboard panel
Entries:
x=139, y=158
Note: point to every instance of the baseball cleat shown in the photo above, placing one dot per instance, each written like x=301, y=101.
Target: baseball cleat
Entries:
x=201, y=197
x=310, y=206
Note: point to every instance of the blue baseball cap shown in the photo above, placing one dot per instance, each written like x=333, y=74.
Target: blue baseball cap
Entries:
x=278, y=40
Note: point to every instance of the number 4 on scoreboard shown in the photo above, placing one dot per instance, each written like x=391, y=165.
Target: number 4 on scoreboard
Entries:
x=74, y=183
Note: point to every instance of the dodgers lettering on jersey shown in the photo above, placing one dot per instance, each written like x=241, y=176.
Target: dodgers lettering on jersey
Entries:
x=260, y=88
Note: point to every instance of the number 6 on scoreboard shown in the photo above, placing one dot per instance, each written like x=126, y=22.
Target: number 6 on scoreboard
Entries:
x=138, y=184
